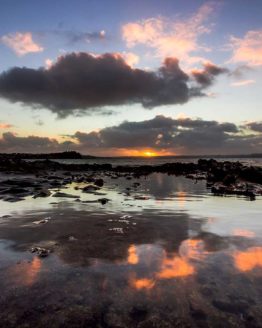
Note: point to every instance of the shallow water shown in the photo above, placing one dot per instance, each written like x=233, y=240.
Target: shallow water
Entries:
x=177, y=257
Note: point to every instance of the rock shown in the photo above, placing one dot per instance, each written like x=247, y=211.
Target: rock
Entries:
x=42, y=193
x=22, y=183
x=41, y=221
x=55, y=183
x=117, y=230
x=229, y=179
x=141, y=197
x=103, y=201
x=72, y=238
x=97, y=193
x=125, y=217
x=64, y=195
x=235, y=307
x=40, y=251
x=16, y=190
x=138, y=313
x=90, y=188
x=99, y=182
x=13, y=199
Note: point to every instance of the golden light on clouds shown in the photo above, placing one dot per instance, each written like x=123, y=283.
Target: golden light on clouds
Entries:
x=21, y=43
x=169, y=37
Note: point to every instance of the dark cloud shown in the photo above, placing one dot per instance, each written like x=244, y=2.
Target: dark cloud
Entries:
x=179, y=136
x=80, y=82
x=255, y=126
x=240, y=71
x=186, y=136
x=206, y=76
x=12, y=143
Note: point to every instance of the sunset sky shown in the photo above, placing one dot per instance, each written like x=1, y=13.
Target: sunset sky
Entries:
x=140, y=77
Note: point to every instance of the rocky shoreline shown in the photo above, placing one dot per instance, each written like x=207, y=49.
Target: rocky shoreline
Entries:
x=36, y=178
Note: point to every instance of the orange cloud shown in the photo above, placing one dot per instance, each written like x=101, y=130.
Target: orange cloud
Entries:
x=5, y=126
x=247, y=49
x=243, y=233
x=170, y=38
x=21, y=43
x=242, y=83
x=130, y=58
x=248, y=260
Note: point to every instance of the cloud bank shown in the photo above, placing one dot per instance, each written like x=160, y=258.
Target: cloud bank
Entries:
x=179, y=136
x=163, y=135
x=82, y=81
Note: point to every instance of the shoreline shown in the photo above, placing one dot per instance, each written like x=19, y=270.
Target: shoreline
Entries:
x=222, y=177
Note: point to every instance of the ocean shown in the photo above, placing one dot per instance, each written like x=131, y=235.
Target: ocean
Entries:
x=136, y=161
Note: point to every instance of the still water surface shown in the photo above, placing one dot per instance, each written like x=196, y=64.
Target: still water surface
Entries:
x=165, y=254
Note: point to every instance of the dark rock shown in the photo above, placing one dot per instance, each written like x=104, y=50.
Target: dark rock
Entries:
x=229, y=179
x=103, y=201
x=99, y=182
x=90, y=188
x=42, y=193
x=40, y=251
x=16, y=190
x=64, y=195
x=138, y=313
x=231, y=307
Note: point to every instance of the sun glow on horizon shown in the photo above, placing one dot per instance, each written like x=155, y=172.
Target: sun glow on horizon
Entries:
x=144, y=152
x=149, y=154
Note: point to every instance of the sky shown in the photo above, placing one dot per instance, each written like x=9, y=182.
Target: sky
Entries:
x=131, y=78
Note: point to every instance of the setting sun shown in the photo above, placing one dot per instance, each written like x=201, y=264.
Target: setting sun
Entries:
x=149, y=154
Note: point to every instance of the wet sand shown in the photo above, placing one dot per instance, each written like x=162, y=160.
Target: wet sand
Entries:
x=164, y=253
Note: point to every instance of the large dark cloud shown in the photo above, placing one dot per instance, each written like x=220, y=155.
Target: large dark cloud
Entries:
x=81, y=81
x=186, y=136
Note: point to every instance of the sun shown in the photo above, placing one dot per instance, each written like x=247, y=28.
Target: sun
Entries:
x=149, y=154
